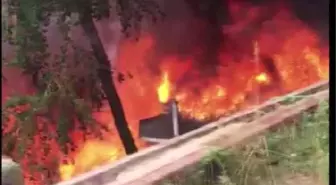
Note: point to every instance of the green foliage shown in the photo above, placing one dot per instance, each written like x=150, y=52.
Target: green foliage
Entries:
x=42, y=106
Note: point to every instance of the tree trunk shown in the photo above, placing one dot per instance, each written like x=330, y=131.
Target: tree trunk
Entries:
x=105, y=76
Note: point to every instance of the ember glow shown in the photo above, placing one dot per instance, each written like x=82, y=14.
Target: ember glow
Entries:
x=262, y=78
x=282, y=56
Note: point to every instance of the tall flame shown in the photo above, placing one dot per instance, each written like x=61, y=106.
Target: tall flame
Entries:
x=164, y=88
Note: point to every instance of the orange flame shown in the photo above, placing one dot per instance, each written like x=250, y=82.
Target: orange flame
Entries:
x=163, y=90
x=66, y=171
x=262, y=78
x=92, y=154
x=298, y=56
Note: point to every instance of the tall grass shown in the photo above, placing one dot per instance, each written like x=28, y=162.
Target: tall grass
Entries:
x=298, y=150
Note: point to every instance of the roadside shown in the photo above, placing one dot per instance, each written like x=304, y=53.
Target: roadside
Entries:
x=292, y=155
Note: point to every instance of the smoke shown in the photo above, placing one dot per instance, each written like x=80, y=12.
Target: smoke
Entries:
x=190, y=30
x=313, y=13
x=200, y=30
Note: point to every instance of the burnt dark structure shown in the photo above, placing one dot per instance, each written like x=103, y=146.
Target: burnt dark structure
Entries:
x=161, y=127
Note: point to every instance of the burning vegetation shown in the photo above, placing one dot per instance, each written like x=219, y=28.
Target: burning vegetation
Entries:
x=258, y=58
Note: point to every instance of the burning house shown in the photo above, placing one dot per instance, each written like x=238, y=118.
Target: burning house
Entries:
x=168, y=124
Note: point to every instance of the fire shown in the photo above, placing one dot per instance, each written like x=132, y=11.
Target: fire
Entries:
x=283, y=55
x=66, y=171
x=164, y=88
x=92, y=154
x=262, y=78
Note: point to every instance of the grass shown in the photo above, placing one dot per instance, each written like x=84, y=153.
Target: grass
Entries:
x=292, y=155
